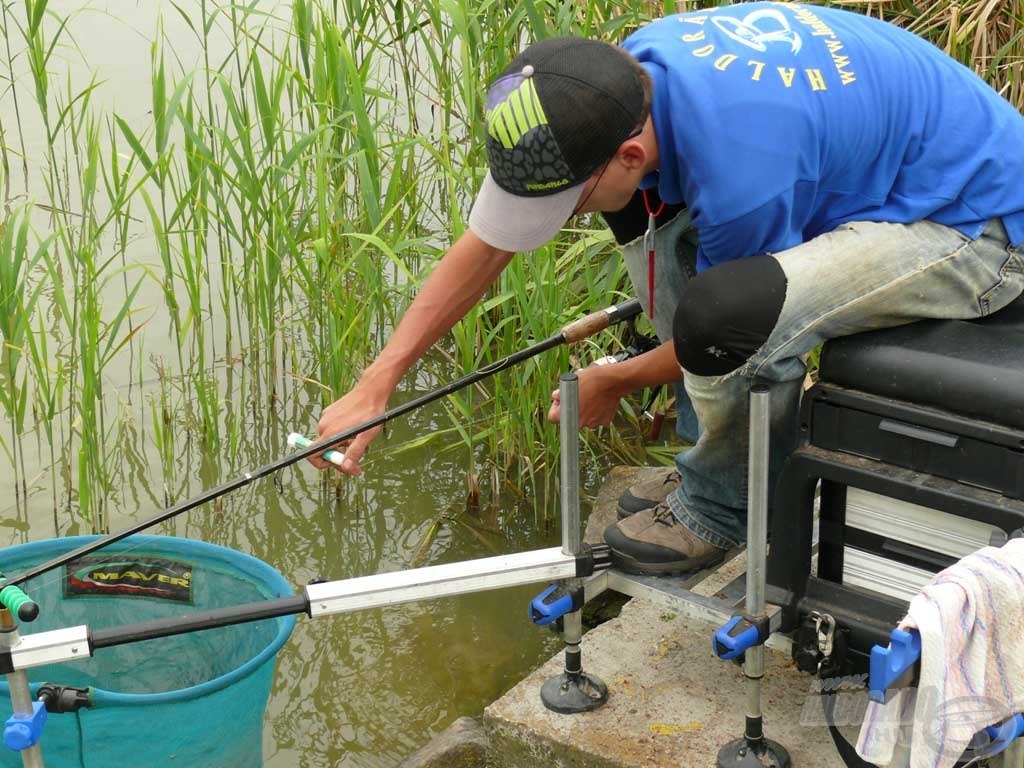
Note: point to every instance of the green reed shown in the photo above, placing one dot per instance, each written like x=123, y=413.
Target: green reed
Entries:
x=278, y=207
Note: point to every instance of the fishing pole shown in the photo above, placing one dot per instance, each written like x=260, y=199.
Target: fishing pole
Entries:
x=575, y=331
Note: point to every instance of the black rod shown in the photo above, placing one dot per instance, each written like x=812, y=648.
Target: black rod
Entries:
x=197, y=622
x=580, y=329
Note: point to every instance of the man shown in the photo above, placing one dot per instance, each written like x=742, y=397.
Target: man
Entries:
x=823, y=173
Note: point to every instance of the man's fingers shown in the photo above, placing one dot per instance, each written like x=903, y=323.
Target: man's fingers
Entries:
x=354, y=452
x=554, y=412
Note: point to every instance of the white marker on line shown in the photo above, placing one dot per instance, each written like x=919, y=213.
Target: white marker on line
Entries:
x=331, y=455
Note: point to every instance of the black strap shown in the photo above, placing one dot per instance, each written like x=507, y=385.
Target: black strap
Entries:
x=847, y=752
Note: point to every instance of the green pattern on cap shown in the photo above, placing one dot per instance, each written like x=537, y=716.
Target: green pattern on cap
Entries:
x=511, y=119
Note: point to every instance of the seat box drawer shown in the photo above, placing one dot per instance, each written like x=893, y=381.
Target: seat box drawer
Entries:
x=920, y=439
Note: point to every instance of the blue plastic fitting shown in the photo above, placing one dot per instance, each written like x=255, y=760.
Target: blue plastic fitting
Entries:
x=1004, y=733
x=887, y=665
x=24, y=731
x=733, y=638
x=553, y=603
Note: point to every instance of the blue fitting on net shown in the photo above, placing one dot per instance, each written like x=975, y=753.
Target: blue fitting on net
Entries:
x=24, y=731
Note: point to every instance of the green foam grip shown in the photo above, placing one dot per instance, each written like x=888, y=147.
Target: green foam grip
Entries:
x=14, y=599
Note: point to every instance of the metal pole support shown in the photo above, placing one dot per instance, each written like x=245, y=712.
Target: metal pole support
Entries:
x=754, y=750
x=573, y=690
x=21, y=698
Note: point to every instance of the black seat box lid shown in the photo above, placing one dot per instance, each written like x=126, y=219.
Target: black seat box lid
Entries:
x=974, y=368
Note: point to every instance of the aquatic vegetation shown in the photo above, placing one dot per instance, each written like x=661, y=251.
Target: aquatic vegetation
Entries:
x=245, y=241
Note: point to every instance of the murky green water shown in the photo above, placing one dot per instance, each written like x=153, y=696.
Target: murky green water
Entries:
x=367, y=688
x=362, y=689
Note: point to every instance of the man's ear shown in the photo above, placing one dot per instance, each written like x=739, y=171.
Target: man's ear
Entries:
x=632, y=153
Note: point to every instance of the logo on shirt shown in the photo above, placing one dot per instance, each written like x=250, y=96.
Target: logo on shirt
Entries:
x=764, y=30
x=759, y=29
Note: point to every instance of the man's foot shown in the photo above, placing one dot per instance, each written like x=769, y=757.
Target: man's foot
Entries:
x=653, y=542
x=649, y=493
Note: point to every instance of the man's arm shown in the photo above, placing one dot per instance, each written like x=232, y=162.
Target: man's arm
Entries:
x=602, y=386
x=456, y=284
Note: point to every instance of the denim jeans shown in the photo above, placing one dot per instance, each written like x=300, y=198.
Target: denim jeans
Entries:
x=861, y=276
x=676, y=262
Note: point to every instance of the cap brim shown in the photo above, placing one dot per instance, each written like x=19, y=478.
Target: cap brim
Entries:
x=515, y=223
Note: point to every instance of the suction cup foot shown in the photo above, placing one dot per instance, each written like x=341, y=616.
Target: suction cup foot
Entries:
x=762, y=753
x=568, y=694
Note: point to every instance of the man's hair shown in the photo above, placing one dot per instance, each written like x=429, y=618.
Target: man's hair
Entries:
x=646, y=83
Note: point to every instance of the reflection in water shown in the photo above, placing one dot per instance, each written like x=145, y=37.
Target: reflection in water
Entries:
x=366, y=689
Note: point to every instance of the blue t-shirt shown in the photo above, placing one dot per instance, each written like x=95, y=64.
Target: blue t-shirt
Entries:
x=777, y=122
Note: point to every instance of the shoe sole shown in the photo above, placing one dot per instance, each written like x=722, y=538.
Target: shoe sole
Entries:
x=629, y=564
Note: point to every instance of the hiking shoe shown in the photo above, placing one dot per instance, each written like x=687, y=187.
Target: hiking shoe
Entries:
x=649, y=493
x=653, y=542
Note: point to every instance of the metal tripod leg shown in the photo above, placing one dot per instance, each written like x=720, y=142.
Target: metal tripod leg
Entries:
x=754, y=749
x=573, y=690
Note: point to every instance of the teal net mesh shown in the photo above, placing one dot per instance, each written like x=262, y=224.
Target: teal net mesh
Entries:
x=195, y=699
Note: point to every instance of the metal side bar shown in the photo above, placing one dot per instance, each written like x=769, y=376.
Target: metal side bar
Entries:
x=443, y=581
x=80, y=642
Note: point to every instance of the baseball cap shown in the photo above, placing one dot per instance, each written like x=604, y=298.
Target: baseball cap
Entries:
x=554, y=116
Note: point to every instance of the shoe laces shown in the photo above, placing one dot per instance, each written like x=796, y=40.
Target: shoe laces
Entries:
x=663, y=514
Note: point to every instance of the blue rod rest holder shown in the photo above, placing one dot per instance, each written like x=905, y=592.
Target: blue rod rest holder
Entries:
x=24, y=731
x=888, y=665
x=997, y=731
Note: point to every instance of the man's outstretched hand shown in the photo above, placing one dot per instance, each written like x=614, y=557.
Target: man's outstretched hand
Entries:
x=356, y=407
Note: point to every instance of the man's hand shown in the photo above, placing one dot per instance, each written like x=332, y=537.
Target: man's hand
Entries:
x=602, y=386
x=456, y=283
x=356, y=407
x=599, y=394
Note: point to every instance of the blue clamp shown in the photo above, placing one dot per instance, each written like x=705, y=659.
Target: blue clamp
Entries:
x=740, y=633
x=1005, y=733
x=23, y=731
x=888, y=666
x=553, y=603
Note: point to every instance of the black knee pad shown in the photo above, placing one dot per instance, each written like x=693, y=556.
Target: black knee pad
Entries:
x=726, y=313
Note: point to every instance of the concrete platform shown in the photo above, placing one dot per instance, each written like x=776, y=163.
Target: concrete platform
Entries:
x=671, y=702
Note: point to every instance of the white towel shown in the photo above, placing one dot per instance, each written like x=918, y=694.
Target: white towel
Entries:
x=971, y=620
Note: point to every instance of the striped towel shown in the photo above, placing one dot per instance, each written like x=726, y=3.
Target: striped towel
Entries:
x=971, y=620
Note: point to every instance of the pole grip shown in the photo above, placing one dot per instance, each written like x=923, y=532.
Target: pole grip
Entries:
x=598, y=321
x=14, y=599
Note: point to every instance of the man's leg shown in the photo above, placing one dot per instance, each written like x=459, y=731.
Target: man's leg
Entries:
x=860, y=277
x=675, y=264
